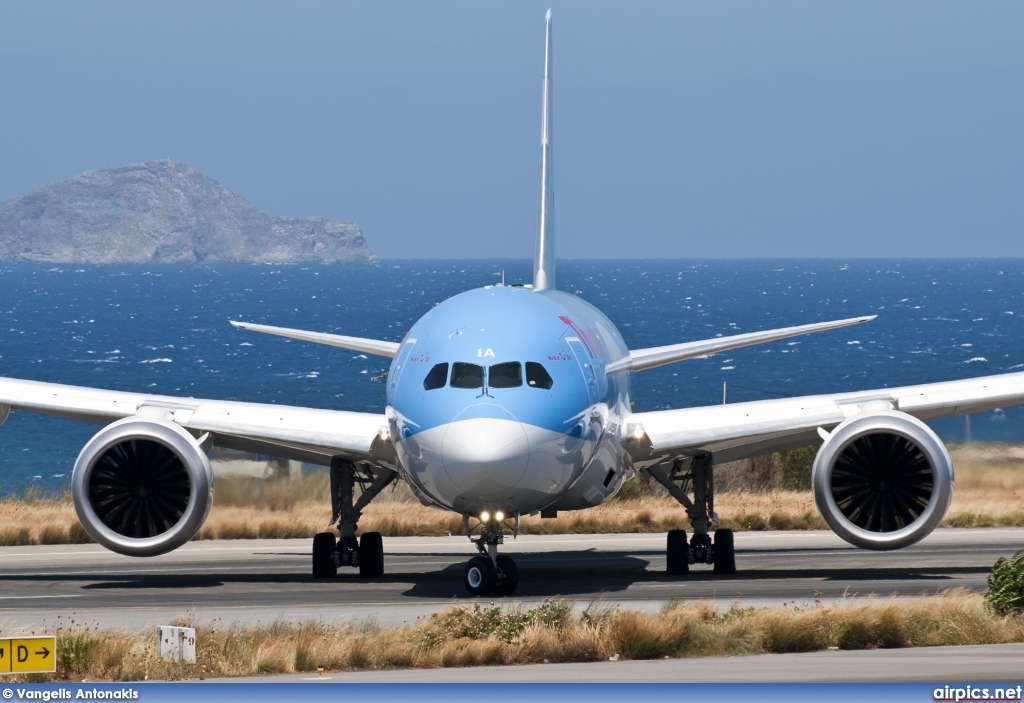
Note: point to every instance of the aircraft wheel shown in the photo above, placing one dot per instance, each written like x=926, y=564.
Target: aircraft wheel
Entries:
x=724, y=554
x=481, y=576
x=324, y=545
x=507, y=567
x=677, y=553
x=371, y=555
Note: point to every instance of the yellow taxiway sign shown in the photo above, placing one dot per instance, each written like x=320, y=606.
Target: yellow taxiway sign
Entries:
x=28, y=655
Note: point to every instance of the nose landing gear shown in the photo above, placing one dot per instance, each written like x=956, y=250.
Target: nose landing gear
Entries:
x=481, y=576
x=490, y=573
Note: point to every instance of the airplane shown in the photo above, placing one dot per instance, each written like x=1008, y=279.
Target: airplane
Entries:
x=513, y=400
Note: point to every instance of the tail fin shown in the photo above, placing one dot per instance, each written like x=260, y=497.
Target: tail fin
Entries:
x=544, y=262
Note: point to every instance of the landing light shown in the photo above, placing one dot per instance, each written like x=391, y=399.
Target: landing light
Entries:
x=638, y=432
x=499, y=516
x=485, y=516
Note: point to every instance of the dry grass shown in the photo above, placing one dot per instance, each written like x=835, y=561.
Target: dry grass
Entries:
x=552, y=632
x=989, y=493
x=34, y=519
x=989, y=488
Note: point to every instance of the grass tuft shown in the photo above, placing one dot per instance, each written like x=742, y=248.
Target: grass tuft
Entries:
x=54, y=534
x=16, y=537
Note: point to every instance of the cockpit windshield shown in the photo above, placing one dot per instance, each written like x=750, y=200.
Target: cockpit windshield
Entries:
x=507, y=375
x=467, y=375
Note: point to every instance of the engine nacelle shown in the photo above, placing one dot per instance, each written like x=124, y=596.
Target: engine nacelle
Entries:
x=142, y=486
x=882, y=480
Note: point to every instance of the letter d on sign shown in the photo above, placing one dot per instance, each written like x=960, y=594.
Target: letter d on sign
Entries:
x=22, y=654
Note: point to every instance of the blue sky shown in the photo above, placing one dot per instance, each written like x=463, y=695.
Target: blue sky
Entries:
x=682, y=129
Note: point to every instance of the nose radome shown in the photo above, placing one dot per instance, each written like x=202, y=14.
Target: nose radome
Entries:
x=485, y=450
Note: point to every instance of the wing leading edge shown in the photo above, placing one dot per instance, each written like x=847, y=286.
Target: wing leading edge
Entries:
x=306, y=434
x=742, y=430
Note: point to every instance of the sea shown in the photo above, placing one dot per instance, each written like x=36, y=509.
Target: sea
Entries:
x=164, y=329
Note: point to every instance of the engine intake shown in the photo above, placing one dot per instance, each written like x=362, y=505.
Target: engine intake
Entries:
x=142, y=487
x=882, y=480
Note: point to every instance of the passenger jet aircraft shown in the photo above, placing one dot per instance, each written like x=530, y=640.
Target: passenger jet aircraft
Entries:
x=508, y=401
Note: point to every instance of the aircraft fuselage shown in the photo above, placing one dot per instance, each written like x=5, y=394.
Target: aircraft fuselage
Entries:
x=497, y=400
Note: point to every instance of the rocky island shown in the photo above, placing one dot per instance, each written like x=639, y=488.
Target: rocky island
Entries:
x=163, y=212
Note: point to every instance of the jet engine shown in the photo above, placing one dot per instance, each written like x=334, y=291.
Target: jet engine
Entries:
x=882, y=480
x=142, y=486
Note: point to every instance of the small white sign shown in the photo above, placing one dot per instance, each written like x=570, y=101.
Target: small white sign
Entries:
x=176, y=644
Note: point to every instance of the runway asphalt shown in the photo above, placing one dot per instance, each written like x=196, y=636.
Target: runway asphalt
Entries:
x=248, y=581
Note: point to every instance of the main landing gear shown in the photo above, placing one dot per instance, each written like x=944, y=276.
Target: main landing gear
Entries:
x=490, y=573
x=697, y=472
x=367, y=552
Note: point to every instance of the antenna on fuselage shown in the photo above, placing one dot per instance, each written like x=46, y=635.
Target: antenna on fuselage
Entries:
x=544, y=262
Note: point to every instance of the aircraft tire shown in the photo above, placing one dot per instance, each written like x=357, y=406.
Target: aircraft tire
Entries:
x=724, y=554
x=481, y=576
x=371, y=555
x=677, y=553
x=508, y=584
x=324, y=545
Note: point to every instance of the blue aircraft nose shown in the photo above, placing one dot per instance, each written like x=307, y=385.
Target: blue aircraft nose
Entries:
x=485, y=450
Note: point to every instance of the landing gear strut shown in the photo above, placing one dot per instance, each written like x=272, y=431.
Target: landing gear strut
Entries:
x=697, y=472
x=490, y=573
x=367, y=552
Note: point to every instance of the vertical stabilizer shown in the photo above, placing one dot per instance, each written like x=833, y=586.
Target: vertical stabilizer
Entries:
x=544, y=262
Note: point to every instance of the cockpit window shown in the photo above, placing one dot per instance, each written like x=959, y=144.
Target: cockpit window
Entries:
x=436, y=378
x=507, y=375
x=467, y=375
x=537, y=376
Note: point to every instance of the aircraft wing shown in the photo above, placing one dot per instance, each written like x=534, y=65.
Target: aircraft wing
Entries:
x=370, y=346
x=306, y=434
x=743, y=430
x=641, y=359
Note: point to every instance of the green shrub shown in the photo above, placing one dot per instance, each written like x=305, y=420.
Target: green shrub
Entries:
x=481, y=623
x=1005, y=592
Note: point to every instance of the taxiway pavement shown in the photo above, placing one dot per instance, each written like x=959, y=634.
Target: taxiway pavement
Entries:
x=249, y=581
